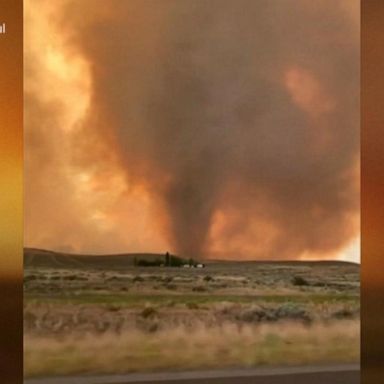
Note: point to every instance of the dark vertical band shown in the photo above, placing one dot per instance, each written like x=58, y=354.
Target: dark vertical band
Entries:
x=372, y=185
x=11, y=166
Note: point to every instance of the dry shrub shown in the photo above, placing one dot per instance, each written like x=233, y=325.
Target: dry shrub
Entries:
x=299, y=281
x=148, y=312
x=190, y=348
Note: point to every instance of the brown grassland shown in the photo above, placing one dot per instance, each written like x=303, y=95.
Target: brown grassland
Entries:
x=95, y=317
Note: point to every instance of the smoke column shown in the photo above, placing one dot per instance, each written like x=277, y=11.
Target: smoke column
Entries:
x=239, y=118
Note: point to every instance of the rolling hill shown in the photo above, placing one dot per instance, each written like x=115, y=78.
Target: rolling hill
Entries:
x=40, y=258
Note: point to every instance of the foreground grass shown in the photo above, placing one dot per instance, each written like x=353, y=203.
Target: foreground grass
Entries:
x=198, y=348
x=159, y=299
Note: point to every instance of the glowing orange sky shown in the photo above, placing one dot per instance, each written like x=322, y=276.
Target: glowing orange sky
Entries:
x=81, y=196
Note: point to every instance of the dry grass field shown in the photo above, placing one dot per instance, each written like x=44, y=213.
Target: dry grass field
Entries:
x=160, y=318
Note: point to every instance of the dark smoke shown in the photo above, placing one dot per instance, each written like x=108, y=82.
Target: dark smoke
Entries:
x=193, y=95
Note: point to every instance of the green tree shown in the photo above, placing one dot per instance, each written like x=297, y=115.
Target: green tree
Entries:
x=167, y=259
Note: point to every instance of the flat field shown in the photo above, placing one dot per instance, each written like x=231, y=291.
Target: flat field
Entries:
x=107, y=316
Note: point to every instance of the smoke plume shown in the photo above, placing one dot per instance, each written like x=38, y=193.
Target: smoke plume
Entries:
x=239, y=119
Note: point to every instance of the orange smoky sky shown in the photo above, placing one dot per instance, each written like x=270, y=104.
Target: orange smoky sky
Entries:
x=226, y=129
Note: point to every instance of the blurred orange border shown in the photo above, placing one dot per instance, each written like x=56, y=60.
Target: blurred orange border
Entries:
x=372, y=188
x=11, y=197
